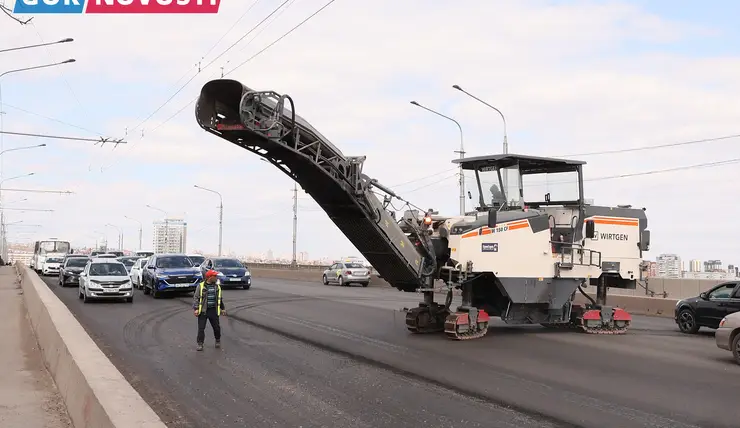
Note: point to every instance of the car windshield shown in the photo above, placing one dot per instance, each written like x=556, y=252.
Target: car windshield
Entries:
x=354, y=265
x=77, y=262
x=108, y=269
x=53, y=260
x=170, y=262
x=227, y=263
x=197, y=259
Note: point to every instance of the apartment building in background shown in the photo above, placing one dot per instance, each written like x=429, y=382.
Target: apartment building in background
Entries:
x=170, y=236
x=669, y=266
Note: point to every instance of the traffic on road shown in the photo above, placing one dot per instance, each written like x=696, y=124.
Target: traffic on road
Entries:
x=299, y=353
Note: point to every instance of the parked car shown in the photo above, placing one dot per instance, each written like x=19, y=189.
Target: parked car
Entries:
x=231, y=272
x=170, y=273
x=197, y=259
x=345, y=273
x=71, y=270
x=727, y=335
x=709, y=308
x=105, y=278
x=136, y=271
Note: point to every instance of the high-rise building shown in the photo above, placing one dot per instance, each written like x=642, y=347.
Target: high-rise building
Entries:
x=653, y=269
x=713, y=266
x=694, y=265
x=669, y=266
x=170, y=236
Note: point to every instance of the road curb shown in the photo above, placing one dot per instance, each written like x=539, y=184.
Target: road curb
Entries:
x=95, y=392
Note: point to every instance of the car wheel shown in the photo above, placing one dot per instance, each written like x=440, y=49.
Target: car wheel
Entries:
x=129, y=300
x=341, y=281
x=325, y=280
x=155, y=292
x=687, y=322
x=365, y=284
x=736, y=347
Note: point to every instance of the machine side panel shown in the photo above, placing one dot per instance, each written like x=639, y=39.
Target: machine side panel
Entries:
x=231, y=111
x=617, y=237
x=510, y=250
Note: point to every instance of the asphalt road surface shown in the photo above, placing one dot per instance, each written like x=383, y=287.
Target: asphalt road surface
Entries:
x=307, y=355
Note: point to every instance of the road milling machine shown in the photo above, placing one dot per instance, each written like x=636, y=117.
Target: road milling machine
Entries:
x=521, y=256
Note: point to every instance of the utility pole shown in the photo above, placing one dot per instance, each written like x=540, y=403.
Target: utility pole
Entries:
x=220, y=227
x=294, y=263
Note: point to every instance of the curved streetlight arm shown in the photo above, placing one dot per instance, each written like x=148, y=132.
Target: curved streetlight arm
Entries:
x=67, y=40
x=157, y=209
x=461, y=179
x=22, y=148
x=17, y=176
x=208, y=190
x=462, y=151
x=37, y=67
x=482, y=102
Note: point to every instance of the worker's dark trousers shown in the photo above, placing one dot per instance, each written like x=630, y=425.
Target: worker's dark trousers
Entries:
x=211, y=315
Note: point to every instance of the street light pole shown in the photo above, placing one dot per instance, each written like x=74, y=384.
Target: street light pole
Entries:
x=2, y=139
x=4, y=249
x=294, y=263
x=67, y=40
x=461, y=181
x=140, y=230
x=220, y=216
x=506, y=142
x=120, y=235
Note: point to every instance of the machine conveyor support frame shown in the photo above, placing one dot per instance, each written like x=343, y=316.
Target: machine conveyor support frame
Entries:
x=259, y=122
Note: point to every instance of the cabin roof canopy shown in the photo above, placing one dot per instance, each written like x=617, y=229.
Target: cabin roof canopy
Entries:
x=527, y=164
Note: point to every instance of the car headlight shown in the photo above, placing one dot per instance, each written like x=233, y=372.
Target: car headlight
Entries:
x=162, y=277
x=247, y=273
x=721, y=323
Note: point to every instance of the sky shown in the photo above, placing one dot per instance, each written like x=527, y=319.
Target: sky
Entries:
x=571, y=77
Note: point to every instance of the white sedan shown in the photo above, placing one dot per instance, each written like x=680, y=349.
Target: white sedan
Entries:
x=136, y=270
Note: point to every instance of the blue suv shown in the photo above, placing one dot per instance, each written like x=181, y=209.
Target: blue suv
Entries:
x=166, y=273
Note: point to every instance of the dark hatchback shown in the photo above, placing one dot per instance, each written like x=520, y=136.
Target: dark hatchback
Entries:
x=708, y=308
x=231, y=272
x=70, y=271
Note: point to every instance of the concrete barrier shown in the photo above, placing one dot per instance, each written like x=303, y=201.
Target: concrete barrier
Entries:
x=637, y=305
x=301, y=274
x=95, y=392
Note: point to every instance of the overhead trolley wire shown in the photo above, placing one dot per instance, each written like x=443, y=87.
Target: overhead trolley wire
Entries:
x=248, y=60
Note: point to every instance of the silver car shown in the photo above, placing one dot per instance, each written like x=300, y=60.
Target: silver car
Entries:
x=727, y=335
x=345, y=273
x=105, y=278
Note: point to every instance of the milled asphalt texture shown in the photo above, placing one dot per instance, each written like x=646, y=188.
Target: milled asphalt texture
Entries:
x=299, y=354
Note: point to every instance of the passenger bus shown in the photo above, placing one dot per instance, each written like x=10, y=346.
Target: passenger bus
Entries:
x=49, y=246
